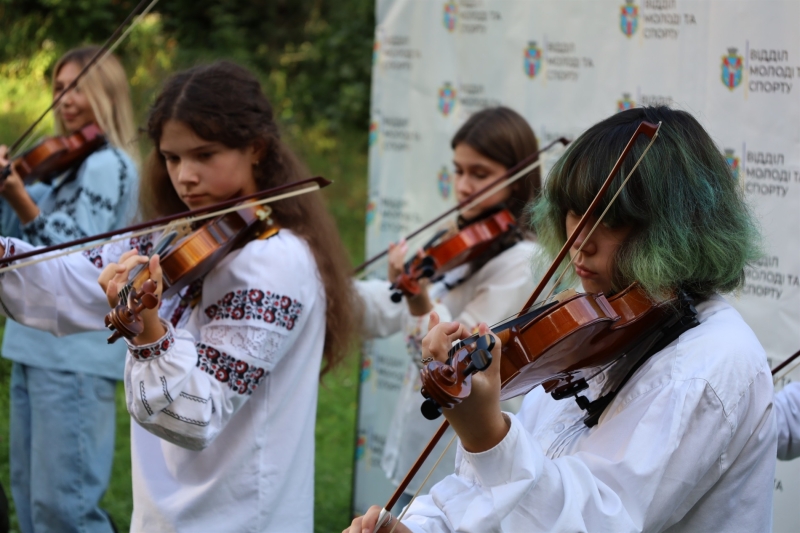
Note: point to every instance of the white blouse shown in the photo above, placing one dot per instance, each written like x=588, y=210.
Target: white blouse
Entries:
x=225, y=402
x=787, y=416
x=688, y=445
x=496, y=291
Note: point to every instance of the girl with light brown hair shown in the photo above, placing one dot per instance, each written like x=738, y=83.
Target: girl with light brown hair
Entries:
x=62, y=390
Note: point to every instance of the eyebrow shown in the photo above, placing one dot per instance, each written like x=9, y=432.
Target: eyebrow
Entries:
x=200, y=148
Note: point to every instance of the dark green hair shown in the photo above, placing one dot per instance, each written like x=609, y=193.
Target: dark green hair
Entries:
x=690, y=226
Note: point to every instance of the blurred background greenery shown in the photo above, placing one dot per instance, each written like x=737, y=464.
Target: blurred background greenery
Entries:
x=313, y=58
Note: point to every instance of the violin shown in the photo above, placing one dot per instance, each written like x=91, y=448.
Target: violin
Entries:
x=436, y=258
x=188, y=260
x=55, y=155
x=560, y=346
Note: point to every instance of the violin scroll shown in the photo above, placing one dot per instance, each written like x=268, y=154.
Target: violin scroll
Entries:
x=445, y=385
x=124, y=320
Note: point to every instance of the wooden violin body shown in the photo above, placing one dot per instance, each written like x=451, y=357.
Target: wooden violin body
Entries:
x=437, y=258
x=57, y=154
x=188, y=260
x=560, y=346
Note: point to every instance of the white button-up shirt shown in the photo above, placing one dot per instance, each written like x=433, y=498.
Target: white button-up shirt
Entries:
x=688, y=445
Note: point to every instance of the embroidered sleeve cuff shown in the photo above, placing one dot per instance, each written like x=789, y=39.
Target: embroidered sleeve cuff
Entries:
x=497, y=466
x=148, y=352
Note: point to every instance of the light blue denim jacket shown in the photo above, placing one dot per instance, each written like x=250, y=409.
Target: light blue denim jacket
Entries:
x=99, y=196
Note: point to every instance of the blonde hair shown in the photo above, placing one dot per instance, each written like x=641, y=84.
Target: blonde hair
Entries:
x=106, y=88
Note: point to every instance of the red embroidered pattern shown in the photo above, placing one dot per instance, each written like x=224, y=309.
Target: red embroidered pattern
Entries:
x=95, y=255
x=255, y=304
x=150, y=351
x=240, y=376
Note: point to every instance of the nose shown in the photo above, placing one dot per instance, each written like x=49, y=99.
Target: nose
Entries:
x=589, y=247
x=187, y=173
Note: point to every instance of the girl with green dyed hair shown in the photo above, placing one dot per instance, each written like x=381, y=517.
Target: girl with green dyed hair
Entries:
x=683, y=443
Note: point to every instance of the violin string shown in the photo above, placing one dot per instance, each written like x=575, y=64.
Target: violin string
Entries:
x=162, y=227
x=424, y=481
x=30, y=139
x=603, y=214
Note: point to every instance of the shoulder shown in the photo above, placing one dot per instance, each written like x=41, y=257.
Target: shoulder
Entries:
x=111, y=162
x=512, y=261
x=282, y=264
x=722, y=353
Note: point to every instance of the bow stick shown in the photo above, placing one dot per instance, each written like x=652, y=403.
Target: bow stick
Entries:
x=645, y=128
x=234, y=204
x=777, y=375
x=521, y=169
x=111, y=43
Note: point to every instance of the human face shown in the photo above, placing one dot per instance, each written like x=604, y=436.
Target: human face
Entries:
x=205, y=172
x=594, y=264
x=75, y=109
x=475, y=171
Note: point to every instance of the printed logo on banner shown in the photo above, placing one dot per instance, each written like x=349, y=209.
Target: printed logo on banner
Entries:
x=373, y=132
x=733, y=162
x=732, y=66
x=625, y=103
x=445, y=181
x=447, y=99
x=629, y=18
x=450, y=15
x=376, y=51
x=366, y=369
x=370, y=212
x=533, y=60
x=361, y=446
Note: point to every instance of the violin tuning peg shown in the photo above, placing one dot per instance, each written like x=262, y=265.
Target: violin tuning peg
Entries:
x=149, y=300
x=397, y=297
x=149, y=286
x=430, y=409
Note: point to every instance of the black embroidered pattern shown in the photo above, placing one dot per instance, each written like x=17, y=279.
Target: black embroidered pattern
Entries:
x=255, y=304
x=144, y=398
x=184, y=419
x=167, y=395
x=240, y=376
x=192, y=291
x=150, y=351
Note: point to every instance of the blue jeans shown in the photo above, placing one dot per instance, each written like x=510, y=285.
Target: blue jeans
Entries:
x=62, y=447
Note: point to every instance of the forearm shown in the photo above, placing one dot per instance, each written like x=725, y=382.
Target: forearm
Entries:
x=22, y=204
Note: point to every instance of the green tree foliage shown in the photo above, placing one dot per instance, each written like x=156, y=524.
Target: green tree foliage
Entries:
x=313, y=55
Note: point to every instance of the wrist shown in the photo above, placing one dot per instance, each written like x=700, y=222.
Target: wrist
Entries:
x=153, y=331
x=479, y=434
x=420, y=304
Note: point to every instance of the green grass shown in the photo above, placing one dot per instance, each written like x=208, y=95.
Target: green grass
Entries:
x=342, y=160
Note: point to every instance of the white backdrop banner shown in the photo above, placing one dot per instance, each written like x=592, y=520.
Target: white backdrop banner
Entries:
x=565, y=65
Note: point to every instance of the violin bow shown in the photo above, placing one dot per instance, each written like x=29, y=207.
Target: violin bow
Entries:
x=521, y=169
x=777, y=375
x=281, y=192
x=644, y=128
x=111, y=43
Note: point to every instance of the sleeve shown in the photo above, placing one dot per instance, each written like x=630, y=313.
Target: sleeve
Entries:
x=500, y=289
x=86, y=206
x=787, y=417
x=624, y=483
x=381, y=316
x=187, y=386
x=60, y=294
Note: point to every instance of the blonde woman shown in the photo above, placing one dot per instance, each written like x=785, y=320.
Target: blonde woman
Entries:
x=62, y=389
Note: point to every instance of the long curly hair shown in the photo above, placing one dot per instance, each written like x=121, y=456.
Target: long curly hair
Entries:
x=223, y=102
x=690, y=226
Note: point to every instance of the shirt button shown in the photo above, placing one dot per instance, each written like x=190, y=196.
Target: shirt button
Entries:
x=558, y=428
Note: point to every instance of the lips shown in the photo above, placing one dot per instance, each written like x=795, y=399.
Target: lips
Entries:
x=584, y=272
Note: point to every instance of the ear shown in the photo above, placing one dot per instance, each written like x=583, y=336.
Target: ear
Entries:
x=257, y=151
